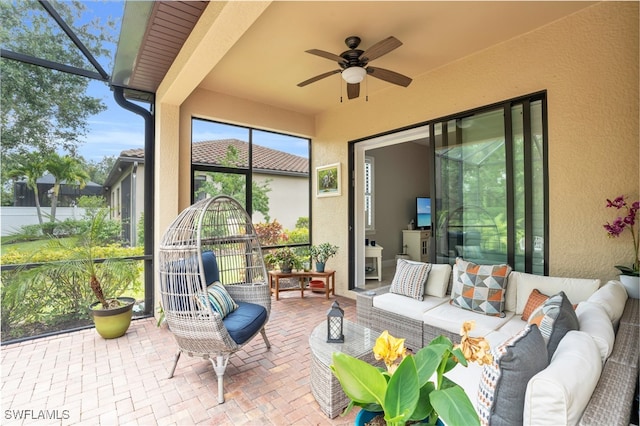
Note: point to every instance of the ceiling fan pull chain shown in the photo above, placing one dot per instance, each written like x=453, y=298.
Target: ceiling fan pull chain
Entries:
x=366, y=83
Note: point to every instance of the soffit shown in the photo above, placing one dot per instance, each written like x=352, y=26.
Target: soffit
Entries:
x=269, y=59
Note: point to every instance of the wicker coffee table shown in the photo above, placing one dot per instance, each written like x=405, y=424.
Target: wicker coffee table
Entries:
x=358, y=342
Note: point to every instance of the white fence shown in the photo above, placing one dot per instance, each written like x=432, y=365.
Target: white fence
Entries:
x=13, y=218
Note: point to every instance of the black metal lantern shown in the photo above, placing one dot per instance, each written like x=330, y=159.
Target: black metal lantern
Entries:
x=335, y=316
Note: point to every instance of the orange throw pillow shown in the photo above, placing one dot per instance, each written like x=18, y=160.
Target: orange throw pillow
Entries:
x=536, y=299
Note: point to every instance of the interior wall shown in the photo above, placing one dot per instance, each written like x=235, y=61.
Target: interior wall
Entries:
x=588, y=64
x=401, y=174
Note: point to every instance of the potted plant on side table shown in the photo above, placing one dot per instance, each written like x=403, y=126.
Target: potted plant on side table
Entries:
x=629, y=276
x=285, y=258
x=321, y=253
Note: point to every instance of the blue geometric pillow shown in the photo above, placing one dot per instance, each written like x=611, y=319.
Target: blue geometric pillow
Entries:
x=220, y=300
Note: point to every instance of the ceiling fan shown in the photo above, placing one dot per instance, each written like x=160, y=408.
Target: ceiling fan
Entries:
x=354, y=64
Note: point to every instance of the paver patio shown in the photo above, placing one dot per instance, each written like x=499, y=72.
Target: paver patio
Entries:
x=80, y=378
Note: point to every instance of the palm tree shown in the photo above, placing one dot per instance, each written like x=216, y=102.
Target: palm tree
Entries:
x=31, y=167
x=64, y=170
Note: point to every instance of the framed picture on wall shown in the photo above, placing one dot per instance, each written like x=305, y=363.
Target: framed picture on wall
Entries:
x=328, y=180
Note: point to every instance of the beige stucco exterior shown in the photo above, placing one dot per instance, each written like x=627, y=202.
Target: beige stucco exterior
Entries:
x=587, y=63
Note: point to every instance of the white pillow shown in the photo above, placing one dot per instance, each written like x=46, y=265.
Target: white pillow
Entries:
x=559, y=394
x=612, y=297
x=595, y=322
x=438, y=280
x=577, y=289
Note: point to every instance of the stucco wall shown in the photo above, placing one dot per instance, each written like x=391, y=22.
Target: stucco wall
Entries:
x=587, y=63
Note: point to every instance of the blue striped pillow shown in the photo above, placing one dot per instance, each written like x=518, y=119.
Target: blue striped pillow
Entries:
x=220, y=300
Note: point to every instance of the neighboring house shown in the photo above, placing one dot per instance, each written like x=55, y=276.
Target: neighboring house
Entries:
x=287, y=176
x=69, y=193
x=23, y=212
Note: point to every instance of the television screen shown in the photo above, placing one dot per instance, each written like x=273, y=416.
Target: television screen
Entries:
x=423, y=212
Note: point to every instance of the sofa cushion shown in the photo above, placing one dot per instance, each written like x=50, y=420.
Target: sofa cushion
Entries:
x=536, y=299
x=451, y=318
x=612, y=297
x=595, y=322
x=559, y=394
x=406, y=306
x=504, y=381
x=555, y=319
x=409, y=278
x=438, y=280
x=576, y=289
x=480, y=288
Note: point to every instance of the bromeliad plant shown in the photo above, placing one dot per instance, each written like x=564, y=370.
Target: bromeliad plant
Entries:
x=621, y=223
x=406, y=391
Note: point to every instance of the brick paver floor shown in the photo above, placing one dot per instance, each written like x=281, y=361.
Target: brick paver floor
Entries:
x=80, y=378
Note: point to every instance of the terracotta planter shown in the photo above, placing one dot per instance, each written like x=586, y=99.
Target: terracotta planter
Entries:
x=113, y=323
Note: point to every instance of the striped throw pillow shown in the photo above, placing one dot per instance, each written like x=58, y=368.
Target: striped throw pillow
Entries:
x=555, y=319
x=410, y=278
x=220, y=300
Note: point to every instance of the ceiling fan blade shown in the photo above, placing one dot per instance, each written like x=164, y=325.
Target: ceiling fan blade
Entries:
x=389, y=76
x=353, y=90
x=318, y=77
x=327, y=55
x=381, y=48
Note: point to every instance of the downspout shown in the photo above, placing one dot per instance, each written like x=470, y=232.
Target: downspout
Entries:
x=149, y=159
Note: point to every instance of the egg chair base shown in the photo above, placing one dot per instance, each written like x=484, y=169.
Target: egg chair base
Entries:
x=219, y=365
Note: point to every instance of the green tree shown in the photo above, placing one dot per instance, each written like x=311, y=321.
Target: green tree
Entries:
x=99, y=170
x=45, y=110
x=67, y=170
x=31, y=167
x=234, y=185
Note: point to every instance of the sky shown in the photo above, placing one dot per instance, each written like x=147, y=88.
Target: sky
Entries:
x=117, y=129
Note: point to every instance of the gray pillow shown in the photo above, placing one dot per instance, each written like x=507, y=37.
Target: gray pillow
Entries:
x=503, y=384
x=556, y=318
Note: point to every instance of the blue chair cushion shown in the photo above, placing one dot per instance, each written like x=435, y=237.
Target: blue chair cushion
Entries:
x=210, y=264
x=245, y=322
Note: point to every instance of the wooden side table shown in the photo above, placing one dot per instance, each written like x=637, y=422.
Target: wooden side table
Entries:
x=328, y=276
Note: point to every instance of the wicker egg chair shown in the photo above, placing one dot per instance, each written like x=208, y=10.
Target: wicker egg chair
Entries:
x=213, y=241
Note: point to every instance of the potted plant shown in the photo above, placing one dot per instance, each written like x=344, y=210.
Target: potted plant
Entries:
x=404, y=391
x=321, y=253
x=629, y=276
x=106, y=279
x=285, y=258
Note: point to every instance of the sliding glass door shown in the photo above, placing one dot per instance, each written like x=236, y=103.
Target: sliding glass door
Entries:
x=489, y=186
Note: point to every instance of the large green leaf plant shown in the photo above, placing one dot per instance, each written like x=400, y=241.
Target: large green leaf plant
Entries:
x=415, y=390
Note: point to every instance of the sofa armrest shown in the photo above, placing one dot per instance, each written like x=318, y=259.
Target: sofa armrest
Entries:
x=364, y=305
x=612, y=398
x=611, y=401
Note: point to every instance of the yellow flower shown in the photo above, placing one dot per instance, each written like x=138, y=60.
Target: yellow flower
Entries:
x=475, y=349
x=389, y=349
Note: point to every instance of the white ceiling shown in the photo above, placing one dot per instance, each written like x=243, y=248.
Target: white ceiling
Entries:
x=269, y=60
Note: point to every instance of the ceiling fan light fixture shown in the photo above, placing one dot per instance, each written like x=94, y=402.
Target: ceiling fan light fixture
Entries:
x=354, y=75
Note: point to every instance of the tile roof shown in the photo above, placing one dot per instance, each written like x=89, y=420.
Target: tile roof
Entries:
x=214, y=152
